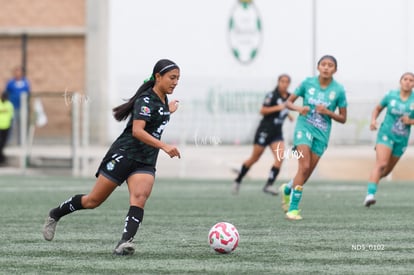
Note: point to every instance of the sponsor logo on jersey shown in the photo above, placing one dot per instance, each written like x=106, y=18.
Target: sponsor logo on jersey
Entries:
x=162, y=112
x=314, y=101
x=145, y=111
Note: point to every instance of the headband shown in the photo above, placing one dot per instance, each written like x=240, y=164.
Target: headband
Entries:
x=167, y=67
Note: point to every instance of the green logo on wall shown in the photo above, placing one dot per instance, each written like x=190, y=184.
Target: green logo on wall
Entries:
x=245, y=31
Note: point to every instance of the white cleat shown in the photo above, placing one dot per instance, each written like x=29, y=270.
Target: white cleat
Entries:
x=369, y=200
x=124, y=248
x=269, y=189
x=49, y=228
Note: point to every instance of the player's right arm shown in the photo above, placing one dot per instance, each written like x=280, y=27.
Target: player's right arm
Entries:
x=303, y=110
x=375, y=113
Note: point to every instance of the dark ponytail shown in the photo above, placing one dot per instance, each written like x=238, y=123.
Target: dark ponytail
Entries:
x=163, y=66
x=122, y=111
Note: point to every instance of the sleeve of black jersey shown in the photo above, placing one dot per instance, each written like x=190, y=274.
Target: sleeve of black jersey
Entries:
x=268, y=101
x=142, y=109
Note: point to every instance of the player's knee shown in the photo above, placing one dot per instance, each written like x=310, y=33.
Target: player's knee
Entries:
x=139, y=199
x=381, y=165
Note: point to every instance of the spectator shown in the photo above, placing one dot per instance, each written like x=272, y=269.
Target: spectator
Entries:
x=14, y=89
x=6, y=117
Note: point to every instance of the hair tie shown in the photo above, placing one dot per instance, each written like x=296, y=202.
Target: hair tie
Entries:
x=151, y=78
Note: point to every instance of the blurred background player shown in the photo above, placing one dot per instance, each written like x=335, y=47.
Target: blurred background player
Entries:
x=394, y=133
x=269, y=133
x=15, y=87
x=321, y=96
x=6, y=117
x=133, y=155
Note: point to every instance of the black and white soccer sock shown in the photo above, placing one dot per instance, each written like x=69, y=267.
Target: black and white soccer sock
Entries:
x=132, y=222
x=72, y=204
x=272, y=175
x=243, y=171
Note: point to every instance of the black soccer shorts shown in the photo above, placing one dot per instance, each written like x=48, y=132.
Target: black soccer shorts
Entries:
x=117, y=167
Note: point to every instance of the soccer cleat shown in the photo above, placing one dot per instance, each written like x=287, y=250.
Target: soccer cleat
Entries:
x=49, y=228
x=124, y=248
x=269, y=189
x=285, y=198
x=235, y=188
x=293, y=215
x=369, y=200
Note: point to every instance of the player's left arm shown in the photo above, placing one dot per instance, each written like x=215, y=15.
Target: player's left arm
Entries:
x=173, y=105
x=407, y=120
x=339, y=117
x=266, y=110
x=341, y=103
x=138, y=132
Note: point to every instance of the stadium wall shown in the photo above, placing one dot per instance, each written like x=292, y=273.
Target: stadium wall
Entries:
x=55, y=36
x=220, y=96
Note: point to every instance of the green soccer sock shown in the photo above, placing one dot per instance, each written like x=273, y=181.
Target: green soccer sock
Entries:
x=372, y=188
x=295, y=198
x=288, y=188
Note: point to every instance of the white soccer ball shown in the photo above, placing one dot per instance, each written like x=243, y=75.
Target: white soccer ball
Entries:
x=223, y=237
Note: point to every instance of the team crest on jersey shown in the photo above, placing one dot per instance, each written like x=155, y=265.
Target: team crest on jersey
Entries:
x=110, y=165
x=411, y=106
x=392, y=103
x=332, y=95
x=145, y=111
x=311, y=91
x=299, y=134
x=384, y=138
x=146, y=99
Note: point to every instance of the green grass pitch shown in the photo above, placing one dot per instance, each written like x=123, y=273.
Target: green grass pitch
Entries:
x=337, y=236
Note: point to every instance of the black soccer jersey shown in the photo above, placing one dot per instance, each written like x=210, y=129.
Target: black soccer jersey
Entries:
x=274, y=120
x=150, y=108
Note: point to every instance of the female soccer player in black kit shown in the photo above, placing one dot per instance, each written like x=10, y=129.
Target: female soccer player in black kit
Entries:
x=133, y=155
x=269, y=133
